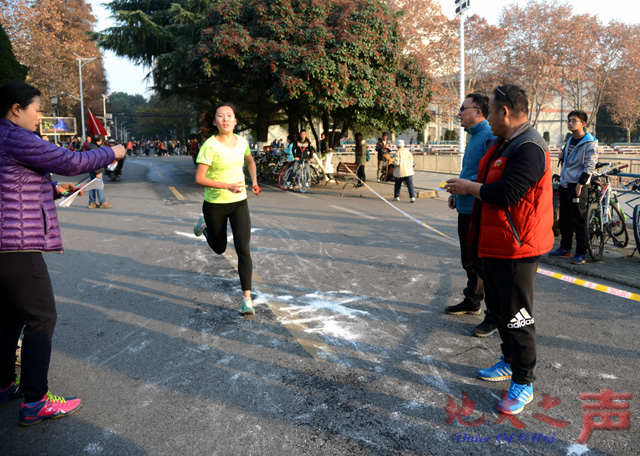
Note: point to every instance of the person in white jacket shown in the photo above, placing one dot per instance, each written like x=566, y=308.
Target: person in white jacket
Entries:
x=403, y=171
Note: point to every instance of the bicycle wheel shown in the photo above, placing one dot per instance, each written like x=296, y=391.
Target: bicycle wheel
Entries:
x=556, y=217
x=315, y=179
x=636, y=225
x=275, y=170
x=619, y=230
x=283, y=177
x=594, y=234
x=271, y=172
x=304, y=179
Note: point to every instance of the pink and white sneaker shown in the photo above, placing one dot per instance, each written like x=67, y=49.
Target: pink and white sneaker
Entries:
x=49, y=407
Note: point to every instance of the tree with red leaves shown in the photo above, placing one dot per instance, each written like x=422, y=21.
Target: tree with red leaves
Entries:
x=282, y=60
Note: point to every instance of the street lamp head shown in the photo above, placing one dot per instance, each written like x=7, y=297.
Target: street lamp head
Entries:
x=86, y=58
x=69, y=95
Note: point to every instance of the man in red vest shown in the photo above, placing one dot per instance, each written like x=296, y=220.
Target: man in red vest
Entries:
x=511, y=227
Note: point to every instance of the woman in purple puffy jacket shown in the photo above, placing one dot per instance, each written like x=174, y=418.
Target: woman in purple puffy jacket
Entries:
x=28, y=227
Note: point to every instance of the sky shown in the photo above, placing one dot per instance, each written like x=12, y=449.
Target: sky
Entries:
x=124, y=76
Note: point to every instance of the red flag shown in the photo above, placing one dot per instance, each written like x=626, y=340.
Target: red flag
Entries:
x=95, y=127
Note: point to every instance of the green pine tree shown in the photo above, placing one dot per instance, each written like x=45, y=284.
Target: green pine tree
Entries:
x=10, y=68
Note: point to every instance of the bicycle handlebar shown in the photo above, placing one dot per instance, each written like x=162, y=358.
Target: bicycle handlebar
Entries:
x=606, y=171
x=618, y=169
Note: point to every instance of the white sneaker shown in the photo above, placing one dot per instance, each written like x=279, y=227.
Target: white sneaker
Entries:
x=396, y=199
x=413, y=199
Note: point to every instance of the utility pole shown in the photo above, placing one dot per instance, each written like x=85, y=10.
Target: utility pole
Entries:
x=461, y=7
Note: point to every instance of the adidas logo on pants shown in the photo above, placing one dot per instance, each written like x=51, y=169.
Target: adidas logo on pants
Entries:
x=521, y=319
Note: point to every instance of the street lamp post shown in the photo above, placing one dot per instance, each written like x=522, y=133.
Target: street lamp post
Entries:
x=461, y=7
x=82, y=61
x=104, y=107
x=122, y=130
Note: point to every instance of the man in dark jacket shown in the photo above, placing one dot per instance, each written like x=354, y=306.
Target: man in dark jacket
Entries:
x=511, y=227
x=302, y=152
x=97, y=195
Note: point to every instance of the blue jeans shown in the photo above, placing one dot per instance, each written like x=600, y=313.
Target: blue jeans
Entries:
x=96, y=195
x=408, y=181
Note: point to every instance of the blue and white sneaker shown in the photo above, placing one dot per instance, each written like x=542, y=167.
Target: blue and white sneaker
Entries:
x=497, y=373
x=200, y=226
x=516, y=399
x=246, y=308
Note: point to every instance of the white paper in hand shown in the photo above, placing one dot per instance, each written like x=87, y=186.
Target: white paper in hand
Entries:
x=95, y=184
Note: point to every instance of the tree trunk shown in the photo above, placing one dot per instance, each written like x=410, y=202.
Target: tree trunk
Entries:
x=325, y=128
x=262, y=124
x=293, y=122
x=313, y=131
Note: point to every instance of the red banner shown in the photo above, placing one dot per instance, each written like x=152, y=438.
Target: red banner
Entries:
x=95, y=127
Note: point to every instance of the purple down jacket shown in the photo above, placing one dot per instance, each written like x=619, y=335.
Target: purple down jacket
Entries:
x=28, y=217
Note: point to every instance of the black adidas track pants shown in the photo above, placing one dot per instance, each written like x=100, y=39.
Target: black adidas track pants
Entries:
x=509, y=287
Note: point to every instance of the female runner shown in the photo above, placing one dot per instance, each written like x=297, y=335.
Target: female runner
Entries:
x=220, y=163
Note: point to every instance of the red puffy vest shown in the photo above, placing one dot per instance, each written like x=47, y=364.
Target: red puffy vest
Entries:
x=524, y=229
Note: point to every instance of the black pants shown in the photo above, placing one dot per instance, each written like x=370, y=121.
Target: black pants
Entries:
x=361, y=173
x=26, y=302
x=508, y=287
x=216, y=216
x=571, y=219
x=474, y=291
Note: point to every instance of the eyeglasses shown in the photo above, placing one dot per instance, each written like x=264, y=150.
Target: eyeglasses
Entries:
x=463, y=107
x=505, y=95
x=573, y=121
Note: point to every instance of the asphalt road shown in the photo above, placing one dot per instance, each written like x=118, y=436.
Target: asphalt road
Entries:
x=350, y=352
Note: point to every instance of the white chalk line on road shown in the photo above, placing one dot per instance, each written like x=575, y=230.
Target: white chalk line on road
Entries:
x=354, y=212
x=307, y=339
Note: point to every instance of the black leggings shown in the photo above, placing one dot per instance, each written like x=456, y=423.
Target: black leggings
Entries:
x=215, y=216
x=26, y=301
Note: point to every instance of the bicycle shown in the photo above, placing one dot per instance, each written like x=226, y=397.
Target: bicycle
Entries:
x=275, y=166
x=604, y=219
x=262, y=166
x=633, y=187
x=302, y=177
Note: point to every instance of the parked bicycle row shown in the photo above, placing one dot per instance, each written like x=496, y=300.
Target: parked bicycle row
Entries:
x=605, y=219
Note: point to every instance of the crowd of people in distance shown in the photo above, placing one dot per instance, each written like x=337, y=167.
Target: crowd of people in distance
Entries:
x=146, y=147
